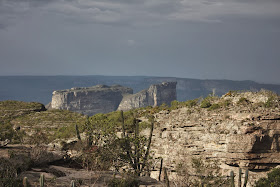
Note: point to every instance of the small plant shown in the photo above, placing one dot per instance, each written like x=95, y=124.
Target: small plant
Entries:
x=225, y=103
x=191, y=103
x=205, y=103
x=174, y=105
x=270, y=102
x=214, y=107
x=207, y=174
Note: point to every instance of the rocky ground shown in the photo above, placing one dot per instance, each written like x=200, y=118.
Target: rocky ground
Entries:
x=58, y=171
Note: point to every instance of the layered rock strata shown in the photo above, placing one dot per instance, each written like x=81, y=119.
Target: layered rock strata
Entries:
x=240, y=135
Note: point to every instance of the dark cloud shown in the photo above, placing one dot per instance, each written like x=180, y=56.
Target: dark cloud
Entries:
x=230, y=39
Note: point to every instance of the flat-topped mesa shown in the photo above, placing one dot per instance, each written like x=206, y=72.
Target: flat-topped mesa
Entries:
x=91, y=100
x=104, y=99
x=154, y=96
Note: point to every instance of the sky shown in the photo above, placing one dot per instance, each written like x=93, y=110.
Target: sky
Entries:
x=204, y=39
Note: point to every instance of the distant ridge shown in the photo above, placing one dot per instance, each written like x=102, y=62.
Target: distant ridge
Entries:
x=40, y=88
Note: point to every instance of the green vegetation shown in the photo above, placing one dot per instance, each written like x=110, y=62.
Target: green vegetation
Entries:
x=8, y=172
x=272, y=179
x=104, y=149
x=214, y=107
x=42, y=127
x=128, y=181
x=239, y=178
x=207, y=174
x=205, y=103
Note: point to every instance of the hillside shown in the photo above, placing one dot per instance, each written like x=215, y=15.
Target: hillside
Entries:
x=195, y=139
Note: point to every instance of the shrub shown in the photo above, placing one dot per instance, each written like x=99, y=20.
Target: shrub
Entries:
x=129, y=181
x=207, y=174
x=174, y=105
x=214, y=107
x=225, y=103
x=272, y=180
x=205, y=103
x=191, y=103
x=8, y=174
x=270, y=102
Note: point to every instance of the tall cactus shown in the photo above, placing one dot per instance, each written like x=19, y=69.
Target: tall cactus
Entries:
x=149, y=145
x=231, y=179
x=42, y=180
x=78, y=132
x=166, y=180
x=73, y=184
x=246, y=178
x=239, y=177
x=135, y=157
x=25, y=182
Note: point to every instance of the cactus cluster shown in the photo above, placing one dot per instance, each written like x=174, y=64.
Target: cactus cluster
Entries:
x=135, y=157
x=239, y=178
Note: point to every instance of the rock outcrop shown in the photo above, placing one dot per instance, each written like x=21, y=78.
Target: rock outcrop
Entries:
x=89, y=101
x=240, y=135
x=154, y=96
x=104, y=99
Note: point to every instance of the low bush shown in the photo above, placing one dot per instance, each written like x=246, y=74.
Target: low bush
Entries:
x=272, y=179
x=8, y=173
x=214, y=107
x=205, y=103
x=129, y=181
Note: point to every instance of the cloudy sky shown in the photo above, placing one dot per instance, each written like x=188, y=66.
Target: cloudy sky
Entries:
x=206, y=39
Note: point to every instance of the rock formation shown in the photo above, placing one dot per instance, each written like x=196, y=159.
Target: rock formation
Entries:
x=244, y=135
x=89, y=101
x=154, y=96
x=104, y=99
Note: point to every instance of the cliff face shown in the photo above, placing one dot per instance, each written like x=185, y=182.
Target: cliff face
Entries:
x=89, y=101
x=240, y=135
x=104, y=99
x=154, y=96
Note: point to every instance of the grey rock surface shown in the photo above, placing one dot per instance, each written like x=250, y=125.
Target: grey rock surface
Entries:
x=156, y=95
x=104, y=99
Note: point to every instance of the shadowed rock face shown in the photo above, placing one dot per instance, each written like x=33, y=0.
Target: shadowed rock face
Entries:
x=154, y=96
x=89, y=101
x=104, y=99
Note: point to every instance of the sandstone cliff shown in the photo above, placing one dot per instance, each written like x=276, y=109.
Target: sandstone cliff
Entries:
x=243, y=133
x=154, y=96
x=104, y=99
